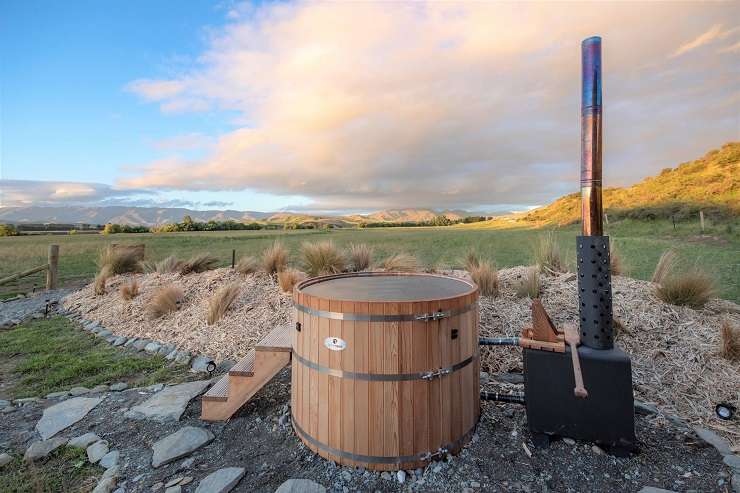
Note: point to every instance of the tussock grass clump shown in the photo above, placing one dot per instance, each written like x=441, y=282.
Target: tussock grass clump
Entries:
x=530, y=284
x=616, y=262
x=729, y=341
x=400, y=262
x=288, y=278
x=166, y=300
x=547, y=254
x=221, y=301
x=360, y=257
x=665, y=266
x=101, y=280
x=129, y=290
x=119, y=260
x=169, y=264
x=692, y=288
x=275, y=258
x=486, y=277
x=472, y=261
x=247, y=265
x=322, y=258
x=199, y=263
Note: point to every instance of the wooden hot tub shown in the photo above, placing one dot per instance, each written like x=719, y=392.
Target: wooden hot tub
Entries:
x=385, y=370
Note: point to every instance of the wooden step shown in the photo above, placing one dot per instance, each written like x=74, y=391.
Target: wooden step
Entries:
x=245, y=366
x=219, y=392
x=279, y=339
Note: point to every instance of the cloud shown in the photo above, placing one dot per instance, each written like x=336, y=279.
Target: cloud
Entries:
x=443, y=105
x=714, y=33
x=18, y=193
x=188, y=142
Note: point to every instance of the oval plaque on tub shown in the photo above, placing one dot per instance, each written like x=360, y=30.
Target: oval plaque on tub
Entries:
x=335, y=343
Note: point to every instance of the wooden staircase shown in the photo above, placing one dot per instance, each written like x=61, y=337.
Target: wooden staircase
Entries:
x=249, y=375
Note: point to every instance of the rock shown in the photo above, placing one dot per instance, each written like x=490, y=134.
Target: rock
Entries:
x=179, y=444
x=735, y=483
x=714, y=440
x=733, y=461
x=515, y=378
x=112, y=472
x=152, y=347
x=39, y=450
x=484, y=377
x=119, y=341
x=186, y=480
x=169, y=403
x=105, y=485
x=110, y=459
x=99, y=389
x=644, y=408
x=182, y=358
x=26, y=400
x=97, y=451
x=569, y=441
x=117, y=387
x=186, y=464
x=597, y=450
x=129, y=342
x=111, y=338
x=173, y=489
x=221, y=481
x=5, y=459
x=140, y=344
x=172, y=355
x=652, y=489
x=300, y=486
x=104, y=333
x=83, y=441
x=474, y=484
x=57, y=395
x=173, y=482
x=166, y=349
x=78, y=391
x=346, y=476
x=401, y=476
x=200, y=364
x=4, y=403
x=157, y=486
x=386, y=475
x=66, y=413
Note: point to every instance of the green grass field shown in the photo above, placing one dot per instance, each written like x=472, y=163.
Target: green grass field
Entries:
x=639, y=243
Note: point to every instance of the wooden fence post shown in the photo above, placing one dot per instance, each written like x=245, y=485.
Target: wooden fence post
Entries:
x=233, y=258
x=701, y=218
x=52, y=272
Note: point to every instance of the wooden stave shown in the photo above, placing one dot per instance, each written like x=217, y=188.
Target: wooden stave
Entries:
x=395, y=426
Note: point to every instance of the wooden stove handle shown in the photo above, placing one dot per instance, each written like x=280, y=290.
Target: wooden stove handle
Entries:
x=573, y=339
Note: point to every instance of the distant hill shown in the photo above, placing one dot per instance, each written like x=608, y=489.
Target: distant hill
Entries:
x=711, y=183
x=152, y=216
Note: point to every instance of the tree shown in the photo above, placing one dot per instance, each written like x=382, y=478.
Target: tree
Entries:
x=8, y=230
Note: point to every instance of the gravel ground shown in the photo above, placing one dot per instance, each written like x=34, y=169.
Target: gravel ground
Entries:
x=14, y=311
x=500, y=457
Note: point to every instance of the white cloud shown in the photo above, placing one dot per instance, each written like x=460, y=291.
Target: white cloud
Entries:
x=17, y=193
x=712, y=34
x=356, y=105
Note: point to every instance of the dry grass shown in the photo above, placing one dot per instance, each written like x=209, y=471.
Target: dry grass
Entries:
x=119, y=260
x=221, y=301
x=169, y=264
x=360, y=257
x=166, y=300
x=199, y=263
x=617, y=265
x=129, y=290
x=471, y=261
x=322, y=258
x=288, y=278
x=486, y=277
x=275, y=258
x=101, y=280
x=665, y=266
x=729, y=341
x=400, y=262
x=529, y=285
x=547, y=254
x=692, y=288
x=247, y=265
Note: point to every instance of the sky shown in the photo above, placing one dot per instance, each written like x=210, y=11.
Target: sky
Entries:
x=340, y=106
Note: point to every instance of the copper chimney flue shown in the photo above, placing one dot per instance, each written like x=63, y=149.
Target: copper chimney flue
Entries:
x=591, y=206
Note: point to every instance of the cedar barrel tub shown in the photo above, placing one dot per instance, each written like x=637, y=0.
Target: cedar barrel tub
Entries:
x=385, y=369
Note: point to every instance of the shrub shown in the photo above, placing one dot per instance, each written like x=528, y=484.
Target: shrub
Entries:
x=472, y=261
x=247, y=265
x=360, y=257
x=199, y=263
x=729, y=341
x=120, y=260
x=275, y=258
x=169, y=264
x=322, y=258
x=547, y=254
x=486, y=277
x=288, y=278
x=221, y=301
x=692, y=288
x=529, y=285
x=665, y=266
x=400, y=262
x=166, y=300
x=129, y=290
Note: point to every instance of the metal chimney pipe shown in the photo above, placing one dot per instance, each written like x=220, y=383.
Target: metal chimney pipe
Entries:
x=591, y=206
